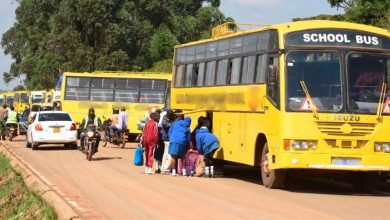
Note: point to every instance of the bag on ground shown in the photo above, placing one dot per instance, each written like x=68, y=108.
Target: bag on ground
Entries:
x=139, y=156
x=200, y=166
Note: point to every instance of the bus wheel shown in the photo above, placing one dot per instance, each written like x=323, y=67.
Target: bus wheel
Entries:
x=272, y=178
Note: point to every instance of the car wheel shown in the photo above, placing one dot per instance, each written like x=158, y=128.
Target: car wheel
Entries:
x=34, y=146
x=28, y=144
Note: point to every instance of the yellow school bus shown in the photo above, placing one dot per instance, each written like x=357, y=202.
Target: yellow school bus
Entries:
x=2, y=98
x=136, y=91
x=9, y=98
x=21, y=101
x=38, y=96
x=301, y=95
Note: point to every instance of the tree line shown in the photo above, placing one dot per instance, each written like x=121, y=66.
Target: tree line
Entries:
x=51, y=36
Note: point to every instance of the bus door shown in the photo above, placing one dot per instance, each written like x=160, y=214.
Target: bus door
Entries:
x=230, y=134
x=273, y=96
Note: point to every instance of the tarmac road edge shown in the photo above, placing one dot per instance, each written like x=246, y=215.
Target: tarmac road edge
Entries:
x=39, y=186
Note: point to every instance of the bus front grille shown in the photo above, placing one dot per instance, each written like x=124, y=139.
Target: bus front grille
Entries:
x=352, y=129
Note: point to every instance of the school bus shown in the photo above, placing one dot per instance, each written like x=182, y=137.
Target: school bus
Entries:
x=38, y=96
x=2, y=98
x=104, y=91
x=21, y=101
x=308, y=95
x=9, y=98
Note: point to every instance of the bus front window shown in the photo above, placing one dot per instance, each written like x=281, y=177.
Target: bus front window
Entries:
x=24, y=98
x=366, y=74
x=320, y=71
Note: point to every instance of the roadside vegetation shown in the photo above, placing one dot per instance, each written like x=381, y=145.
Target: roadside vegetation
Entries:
x=16, y=201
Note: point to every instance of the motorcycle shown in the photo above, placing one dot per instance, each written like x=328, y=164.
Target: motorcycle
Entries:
x=11, y=131
x=90, y=139
x=119, y=138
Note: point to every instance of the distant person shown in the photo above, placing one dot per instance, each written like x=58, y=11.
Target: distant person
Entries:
x=207, y=143
x=166, y=120
x=114, y=128
x=11, y=117
x=123, y=119
x=179, y=140
x=59, y=81
x=150, y=141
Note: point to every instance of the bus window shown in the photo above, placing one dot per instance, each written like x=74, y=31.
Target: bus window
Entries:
x=261, y=68
x=223, y=48
x=102, y=89
x=127, y=90
x=250, y=42
x=188, y=75
x=222, y=72
x=273, y=80
x=77, y=88
x=210, y=73
x=152, y=91
x=248, y=70
x=236, y=70
x=201, y=72
x=24, y=98
x=179, y=76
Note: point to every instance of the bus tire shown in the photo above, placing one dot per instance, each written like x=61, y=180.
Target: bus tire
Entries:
x=272, y=178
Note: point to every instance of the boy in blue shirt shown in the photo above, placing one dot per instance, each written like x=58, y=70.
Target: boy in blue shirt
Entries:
x=207, y=143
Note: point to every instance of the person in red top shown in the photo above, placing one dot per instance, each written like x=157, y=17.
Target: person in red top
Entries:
x=150, y=140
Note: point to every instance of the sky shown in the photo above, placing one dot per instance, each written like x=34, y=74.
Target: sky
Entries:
x=243, y=11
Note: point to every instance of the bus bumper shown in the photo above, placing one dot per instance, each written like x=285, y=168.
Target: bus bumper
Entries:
x=333, y=162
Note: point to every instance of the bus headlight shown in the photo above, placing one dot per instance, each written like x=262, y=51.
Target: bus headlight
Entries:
x=300, y=145
x=379, y=147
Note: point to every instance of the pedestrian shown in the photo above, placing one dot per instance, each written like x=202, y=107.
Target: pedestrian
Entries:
x=195, y=131
x=150, y=141
x=167, y=117
x=206, y=144
x=179, y=139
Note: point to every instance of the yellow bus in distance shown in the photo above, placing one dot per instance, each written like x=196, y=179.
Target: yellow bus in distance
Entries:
x=300, y=95
x=38, y=97
x=136, y=91
x=9, y=98
x=21, y=101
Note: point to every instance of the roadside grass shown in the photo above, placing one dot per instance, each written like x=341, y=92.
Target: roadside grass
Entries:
x=16, y=201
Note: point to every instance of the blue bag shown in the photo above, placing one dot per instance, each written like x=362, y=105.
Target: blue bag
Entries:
x=139, y=156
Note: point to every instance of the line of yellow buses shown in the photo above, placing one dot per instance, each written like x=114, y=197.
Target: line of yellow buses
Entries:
x=309, y=95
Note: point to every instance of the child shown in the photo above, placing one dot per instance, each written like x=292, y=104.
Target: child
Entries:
x=179, y=139
x=150, y=141
x=207, y=143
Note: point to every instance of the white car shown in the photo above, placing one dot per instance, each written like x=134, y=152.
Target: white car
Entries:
x=51, y=127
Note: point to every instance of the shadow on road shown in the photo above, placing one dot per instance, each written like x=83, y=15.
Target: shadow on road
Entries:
x=54, y=148
x=106, y=158
x=299, y=184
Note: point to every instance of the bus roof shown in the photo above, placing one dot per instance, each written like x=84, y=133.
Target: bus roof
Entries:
x=120, y=74
x=297, y=26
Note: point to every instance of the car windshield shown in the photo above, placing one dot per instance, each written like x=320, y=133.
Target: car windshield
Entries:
x=366, y=74
x=320, y=72
x=54, y=117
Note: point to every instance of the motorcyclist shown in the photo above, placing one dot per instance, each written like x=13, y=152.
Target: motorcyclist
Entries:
x=11, y=118
x=114, y=128
x=91, y=118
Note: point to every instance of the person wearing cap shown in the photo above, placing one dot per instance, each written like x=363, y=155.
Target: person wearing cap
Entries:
x=91, y=118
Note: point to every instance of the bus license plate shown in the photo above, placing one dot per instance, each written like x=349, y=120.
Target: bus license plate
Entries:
x=56, y=130
x=346, y=161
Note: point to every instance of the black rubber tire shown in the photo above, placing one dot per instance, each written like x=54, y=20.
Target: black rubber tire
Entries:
x=34, y=146
x=28, y=145
x=89, y=153
x=68, y=146
x=105, y=142
x=275, y=178
x=123, y=141
x=10, y=137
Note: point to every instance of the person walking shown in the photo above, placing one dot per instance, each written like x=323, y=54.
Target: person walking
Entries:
x=150, y=141
x=166, y=120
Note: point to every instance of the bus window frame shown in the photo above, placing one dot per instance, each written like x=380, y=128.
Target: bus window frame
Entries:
x=276, y=103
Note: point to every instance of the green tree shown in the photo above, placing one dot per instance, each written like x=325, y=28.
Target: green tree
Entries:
x=90, y=35
x=19, y=88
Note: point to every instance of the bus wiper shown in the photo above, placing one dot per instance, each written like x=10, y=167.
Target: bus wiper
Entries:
x=381, y=100
x=307, y=94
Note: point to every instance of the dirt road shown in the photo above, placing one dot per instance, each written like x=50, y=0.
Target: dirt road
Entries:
x=110, y=187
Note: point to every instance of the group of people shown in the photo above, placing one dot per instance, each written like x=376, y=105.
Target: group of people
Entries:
x=8, y=117
x=167, y=138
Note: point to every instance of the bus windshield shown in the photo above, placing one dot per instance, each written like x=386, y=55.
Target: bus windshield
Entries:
x=320, y=71
x=37, y=100
x=24, y=98
x=366, y=74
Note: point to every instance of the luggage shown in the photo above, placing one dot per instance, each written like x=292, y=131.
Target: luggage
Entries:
x=194, y=164
x=139, y=156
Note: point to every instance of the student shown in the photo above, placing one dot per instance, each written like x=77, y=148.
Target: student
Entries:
x=150, y=141
x=195, y=131
x=207, y=143
x=167, y=117
x=179, y=139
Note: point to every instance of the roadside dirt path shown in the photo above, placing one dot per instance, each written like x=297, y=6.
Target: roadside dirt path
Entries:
x=110, y=187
